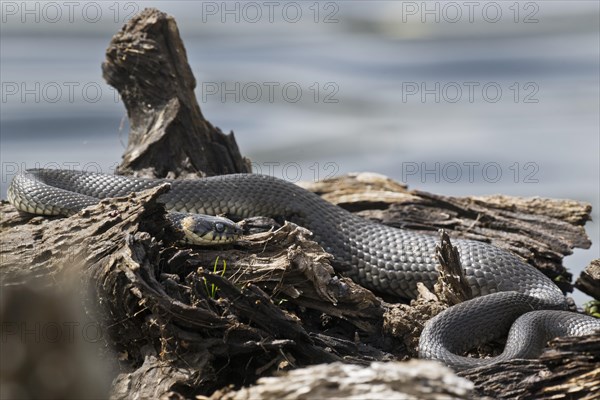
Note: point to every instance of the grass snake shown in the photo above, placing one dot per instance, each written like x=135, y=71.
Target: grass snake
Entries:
x=379, y=257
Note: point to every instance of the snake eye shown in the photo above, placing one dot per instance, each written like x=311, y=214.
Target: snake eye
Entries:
x=219, y=227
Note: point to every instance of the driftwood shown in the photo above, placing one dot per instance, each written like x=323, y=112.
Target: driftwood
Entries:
x=185, y=321
x=147, y=63
x=569, y=369
x=424, y=380
x=589, y=280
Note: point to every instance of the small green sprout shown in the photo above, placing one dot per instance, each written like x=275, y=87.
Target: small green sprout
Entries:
x=212, y=291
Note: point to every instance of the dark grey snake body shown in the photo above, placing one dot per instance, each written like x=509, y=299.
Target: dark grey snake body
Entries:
x=376, y=256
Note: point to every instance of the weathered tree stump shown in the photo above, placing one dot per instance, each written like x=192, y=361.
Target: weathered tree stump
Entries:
x=186, y=321
x=147, y=63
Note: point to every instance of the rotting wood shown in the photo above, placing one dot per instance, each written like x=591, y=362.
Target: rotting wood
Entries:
x=169, y=137
x=392, y=380
x=307, y=314
x=589, y=280
x=452, y=284
x=569, y=369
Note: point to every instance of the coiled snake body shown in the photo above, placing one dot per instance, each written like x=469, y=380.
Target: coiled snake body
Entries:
x=379, y=257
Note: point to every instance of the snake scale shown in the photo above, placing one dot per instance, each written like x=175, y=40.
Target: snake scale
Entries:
x=507, y=290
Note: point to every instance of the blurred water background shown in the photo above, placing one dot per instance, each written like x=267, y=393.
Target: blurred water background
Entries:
x=455, y=98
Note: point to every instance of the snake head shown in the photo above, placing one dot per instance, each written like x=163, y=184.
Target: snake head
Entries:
x=206, y=230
